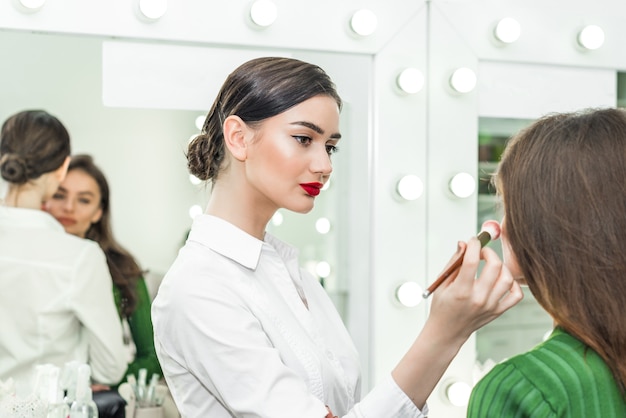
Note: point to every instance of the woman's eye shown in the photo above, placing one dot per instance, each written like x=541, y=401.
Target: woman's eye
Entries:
x=302, y=140
x=331, y=149
x=57, y=196
x=84, y=201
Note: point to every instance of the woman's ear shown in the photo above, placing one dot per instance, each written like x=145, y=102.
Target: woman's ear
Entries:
x=61, y=172
x=235, y=132
x=96, y=216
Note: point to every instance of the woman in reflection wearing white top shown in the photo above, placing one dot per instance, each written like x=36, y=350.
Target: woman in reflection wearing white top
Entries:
x=56, y=300
x=240, y=329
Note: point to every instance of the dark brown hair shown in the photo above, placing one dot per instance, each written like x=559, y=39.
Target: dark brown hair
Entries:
x=32, y=143
x=256, y=90
x=124, y=268
x=563, y=184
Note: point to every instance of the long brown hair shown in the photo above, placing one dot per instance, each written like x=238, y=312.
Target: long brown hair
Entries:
x=124, y=268
x=563, y=184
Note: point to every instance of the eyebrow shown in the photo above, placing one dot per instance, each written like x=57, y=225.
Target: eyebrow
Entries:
x=64, y=190
x=316, y=128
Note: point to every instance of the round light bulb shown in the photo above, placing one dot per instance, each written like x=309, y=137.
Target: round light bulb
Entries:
x=277, y=219
x=363, y=22
x=194, y=211
x=463, y=80
x=200, y=122
x=458, y=393
x=410, y=187
x=153, y=9
x=322, y=225
x=409, y=294
x=462, y=185
x=263, y=13
x=326, y=185
x=322, y=269
x=32, y=5
x=194, y=180
x=591, y=37
x=507, y=30
x=410, y=80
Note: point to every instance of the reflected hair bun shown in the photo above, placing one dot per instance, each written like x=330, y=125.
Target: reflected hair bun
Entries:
x=13, y=169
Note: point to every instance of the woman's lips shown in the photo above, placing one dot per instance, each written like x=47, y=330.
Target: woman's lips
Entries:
x=66, y=221
x=312, y=189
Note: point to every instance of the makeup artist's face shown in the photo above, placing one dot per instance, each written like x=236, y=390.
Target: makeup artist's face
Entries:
x=510, y=261
x=290, y=159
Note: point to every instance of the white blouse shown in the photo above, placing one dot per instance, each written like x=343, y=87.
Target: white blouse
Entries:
x=235, y=338
x=56, y=301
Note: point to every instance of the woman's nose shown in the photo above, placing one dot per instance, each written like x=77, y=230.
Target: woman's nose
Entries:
x=68, y=205
x=321, y=162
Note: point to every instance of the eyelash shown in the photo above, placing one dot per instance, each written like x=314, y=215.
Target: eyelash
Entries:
x=332, y=149
x=305, y=140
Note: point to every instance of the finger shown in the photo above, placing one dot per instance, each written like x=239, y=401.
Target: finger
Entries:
x=460, y=249
x=467, y=273
x=491, y=271
x=511, y=298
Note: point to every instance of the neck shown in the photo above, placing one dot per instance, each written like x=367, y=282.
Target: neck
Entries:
x=24, y=196
x=227, y=204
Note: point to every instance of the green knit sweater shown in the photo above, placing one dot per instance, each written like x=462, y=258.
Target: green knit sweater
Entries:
x=140, y=322
x=559, y=378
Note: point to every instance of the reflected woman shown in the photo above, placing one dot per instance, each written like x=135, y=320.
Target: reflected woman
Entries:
x=56, y=305
x=82, y=205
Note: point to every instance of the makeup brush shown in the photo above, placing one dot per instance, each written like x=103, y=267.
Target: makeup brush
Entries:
x=490, y=231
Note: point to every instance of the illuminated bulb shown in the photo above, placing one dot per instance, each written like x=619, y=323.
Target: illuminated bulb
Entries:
x=263, y=13
x=458, y=393
x=462, y=185
x=194, y=180
x=153, y=9
x=322, y=225
x=409, y=294
x=507, y=30
x=410, y=187
x=546, y=335
x=363, y=22
x=322, y=269
x=194, y=211
x=410, y=80
x=463, y=80
x=326, y=185
x=200, y=122
x=591, y=37
x=277, y=219
x=31, y=5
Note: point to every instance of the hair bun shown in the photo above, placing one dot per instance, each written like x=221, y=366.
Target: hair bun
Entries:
x=13, y=169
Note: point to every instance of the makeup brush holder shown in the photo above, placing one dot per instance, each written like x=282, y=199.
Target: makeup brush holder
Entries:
x=150, y=412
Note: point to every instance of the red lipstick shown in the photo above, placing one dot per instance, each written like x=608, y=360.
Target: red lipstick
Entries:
x=312, y=189
x=66, y=221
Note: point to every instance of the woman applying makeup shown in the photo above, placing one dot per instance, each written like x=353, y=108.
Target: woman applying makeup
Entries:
x=563, y=185
x=240, y=329
x=82, y=205
x=51, y=281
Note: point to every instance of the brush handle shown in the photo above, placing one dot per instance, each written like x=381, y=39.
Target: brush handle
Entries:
x=484, y=237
